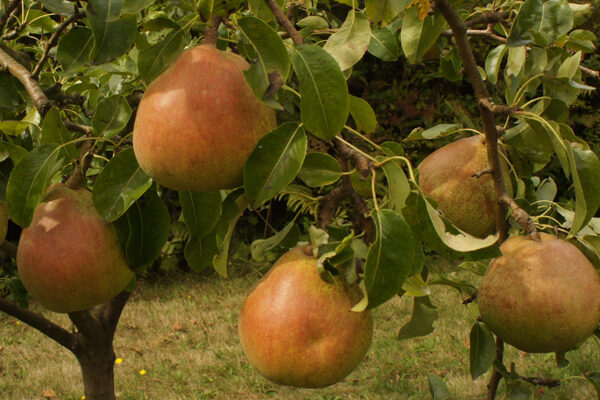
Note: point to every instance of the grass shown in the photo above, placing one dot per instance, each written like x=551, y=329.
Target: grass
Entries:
x=182, y=332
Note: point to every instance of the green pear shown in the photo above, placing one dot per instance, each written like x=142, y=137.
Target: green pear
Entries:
x=298, y=330
x=198, y=122
x=540, y=296
x=449, y=176
x=69, y=259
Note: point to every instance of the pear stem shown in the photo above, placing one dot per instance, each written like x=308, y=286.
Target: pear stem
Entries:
x=211, y=32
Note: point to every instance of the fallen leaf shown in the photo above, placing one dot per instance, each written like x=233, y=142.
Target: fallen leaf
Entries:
x=49, y=393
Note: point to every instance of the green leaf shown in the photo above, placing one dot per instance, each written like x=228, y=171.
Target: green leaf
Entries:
x=134, y=6
x=540, y=22
x=350, y=42
x=319, y=169
x=274, y=162
x=398, y=184
x=13, y=128
x=594, y=379
x=516, y=60
x=433, y=133
x=259, y=247
x=390, y=257
x=111, y=116
x=421, y=322
x=28, y=182
x=271, y=54
x=493, y=62
x=363, y=114
x=451, y=65
x=325, y=101
x=417, y=36
x=438, y=388
x=201, y=211
x=482, y=350
x=384, y=11
x=113, y=34
x=585, y=169
x=54, y=131
x=60, y=7
x=220, y=259
x=570, y=66
x=199, y=253
x=119, y=185
x=149, y=227
x=313, y=22
x=14, y=152
x=384, y=45
x=155, y=59
x=74, y=48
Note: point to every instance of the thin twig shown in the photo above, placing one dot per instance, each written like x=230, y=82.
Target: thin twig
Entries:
x=31, y=85
x=548, y=382
x=283, y=20
x=496, y=375
x=53, y=41
x=489, y=17
x=521, y=217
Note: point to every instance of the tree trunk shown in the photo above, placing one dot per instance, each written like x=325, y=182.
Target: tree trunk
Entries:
x=97, y=361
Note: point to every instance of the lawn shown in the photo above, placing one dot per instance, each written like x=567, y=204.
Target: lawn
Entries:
x=178, y=340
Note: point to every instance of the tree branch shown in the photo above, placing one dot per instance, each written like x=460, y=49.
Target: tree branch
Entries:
x=489, y=17
x=10, y=8
x=83, y=129
x=53, y=42
x=496, y=375
x=39, y=322
x=459, y=29
x=111, y=311
x=283, y=20
x=363, y=165
x=31, y=85
x=521, y=217
x=548, y=382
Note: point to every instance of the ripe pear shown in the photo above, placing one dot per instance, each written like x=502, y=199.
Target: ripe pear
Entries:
x=447, y=176
x=540, y=296
x=69, y=259
x=298, y=330
x=198, y=122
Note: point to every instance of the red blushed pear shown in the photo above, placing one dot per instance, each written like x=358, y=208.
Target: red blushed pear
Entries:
x=69, y=259
x=540, y=296
x=448, y=175
x=298, y=330
x=198, y=122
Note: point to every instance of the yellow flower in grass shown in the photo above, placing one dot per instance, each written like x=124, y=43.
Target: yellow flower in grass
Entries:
x=118, y=361
x=143, y=372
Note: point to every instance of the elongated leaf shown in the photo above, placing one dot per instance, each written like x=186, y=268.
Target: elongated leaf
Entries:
x=154, y=59
x=149, y=227
x=594, y=379
x=74, y=48
x=28, y=182
x=119, y=185
x=398, y=184
x=363, y=114
x=493, y=62
x=320, y=169
x=113, y=34
x=417, y=36
x=541, y=22
x=274, y=162
x=201, y=211
x=482, y=350
x=220, y=259
x=111, y=116
x=349, y=44
x=384, y=11
x=421, y=322
x=61, y=7
x=390, y=257
x=585, y=168
x=384, y=45
x=54, y=131
x=271, y=54
x=438, y=388
x=259, y=247
x=434, y=132
x=325, y=101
